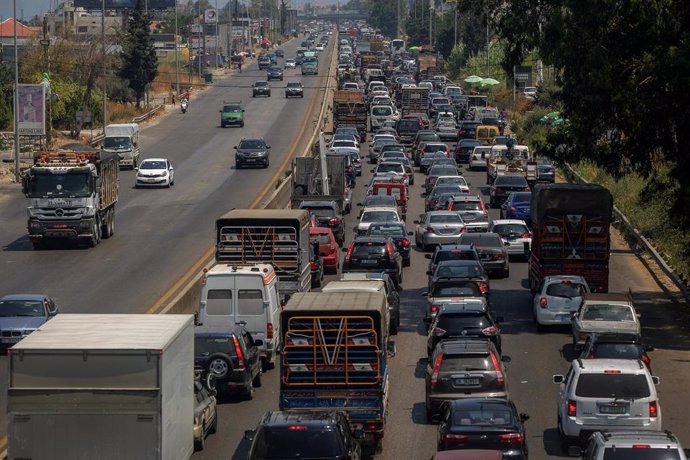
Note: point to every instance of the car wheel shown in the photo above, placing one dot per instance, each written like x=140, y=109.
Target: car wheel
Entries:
x=238, y=165
x=257, y=380
x=249, y=391
x=302, y=96
x=506, y=273
x=242, y=125
x=406, y=262
x=219, y=366
x=214, y=425
x=394, y=328
x=269, y=94
x=200, y=443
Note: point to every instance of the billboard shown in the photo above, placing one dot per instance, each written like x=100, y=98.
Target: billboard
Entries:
x=211, y=16
x=32, y=110
x=123, y=4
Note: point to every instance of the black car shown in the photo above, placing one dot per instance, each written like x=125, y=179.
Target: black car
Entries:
x=468, y=129
x=230, y=356
x=492, y=252
x=304, y=434
x=252, y=151
x=494, y=121
x=463, y=368
x=397, y=233
x=545, y=171
x=327, y=214
x=299, y=59
x=616, y=346
x=484, y=423
x=470, y=317
x=463, y=149
x=458, y=269
x=445, y=252
x=294, y=89
x=280, y=53
x=374, y=254
x=274, y=73
x=261, y=88
x=503, y=185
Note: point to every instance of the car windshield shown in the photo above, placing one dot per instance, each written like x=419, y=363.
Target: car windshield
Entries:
x=261, y=83
x=511, y=229
x=232, y=108
x=213, y=344
x=617, y=351
x=565, y=289
x=445, y=219
x=117, y=142
x=294, y=85
x=305, y=443
x=459, y=271
x=484, y=415
x=466, y=206
x=68, y=184
x=386, y=230
x=466, y=363
x=482, y=241
x=435, y=148
x=612, y=384
x=515, y=181
x=379, y=216
x=21, y=308
x=252, y=144
x=456, y=289
x=152, y=165
x=381, y=110
x=603, y=312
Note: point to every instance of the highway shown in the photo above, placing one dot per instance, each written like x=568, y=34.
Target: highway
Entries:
x=160, y=234
x=535, y=357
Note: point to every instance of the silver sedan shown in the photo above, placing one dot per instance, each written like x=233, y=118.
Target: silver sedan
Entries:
x=438, y=227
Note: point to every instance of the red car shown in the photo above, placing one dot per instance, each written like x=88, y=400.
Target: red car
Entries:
x=329, y=252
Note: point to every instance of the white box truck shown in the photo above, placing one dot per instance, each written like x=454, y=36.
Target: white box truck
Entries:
x=123, y=139
x=102, y=386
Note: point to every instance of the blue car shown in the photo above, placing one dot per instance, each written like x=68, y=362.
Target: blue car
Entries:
x=21, y=314
x=517, y=206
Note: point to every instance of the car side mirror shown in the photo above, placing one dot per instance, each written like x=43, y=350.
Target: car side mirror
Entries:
x=249, y=435
x=506, y=359
x=558, y=378
x=429, y=272
x=220, y=111
x=656, y=380
x=258, y=343
x=416, y=222
x=524, y=417
x=427, y=256
x=410, y=233
x=425, y=294
x=268, y=146
x=360, y=204
x=136, y=168
x=53, y=313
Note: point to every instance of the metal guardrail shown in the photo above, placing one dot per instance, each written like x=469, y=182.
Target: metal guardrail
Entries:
x=644, y=242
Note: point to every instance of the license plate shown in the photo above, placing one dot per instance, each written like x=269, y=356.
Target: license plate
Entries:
x=369, y=262
x=564, y=318
x=11, y=339
x=613, y=409
x=466, y=382
x=151, y=180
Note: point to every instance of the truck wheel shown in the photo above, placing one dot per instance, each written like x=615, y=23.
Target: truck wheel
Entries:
x=111, y=224
x=394, y=328
x=96, y=234
x=242, y=125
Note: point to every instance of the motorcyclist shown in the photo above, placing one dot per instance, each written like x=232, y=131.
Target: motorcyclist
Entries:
x=186, y=95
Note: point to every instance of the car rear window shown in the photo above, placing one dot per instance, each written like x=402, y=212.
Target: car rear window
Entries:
x=511, y=229
x=485, y=415
x=617, y=351
x=378, y=216
x=321, y=238
x=369, y=250
x=387, y=230
x=302, y=442
x=455, y=254
x=522, y=197
x=640, y=453
x=451, y=180
x=407, y=125
x=442, y=170
x=612, y=385
x=250, y=302
x=568, y=290
x=445, y=219
x=214, y=344
x=219, y=302
x=482, y=241
x=435, y=147
x=390, y=167
x=466, y=206
x=605, y=312
x=459, y=271
x=321, y=212
x=456, y=322
x=466, y=363
x=511, y=181
x=456, y=289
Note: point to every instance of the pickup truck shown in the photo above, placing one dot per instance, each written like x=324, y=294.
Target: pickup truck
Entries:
x=614, y=313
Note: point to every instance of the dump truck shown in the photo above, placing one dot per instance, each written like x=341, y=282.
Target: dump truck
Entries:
x=123, y=139
x=72, y=196
x=279, y=237
x=103, y=386
x=350, y=109
x=414, y=100
x=335, y=352
x=570, y=233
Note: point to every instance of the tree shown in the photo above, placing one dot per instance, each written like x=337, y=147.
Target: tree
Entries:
x=383, y=15
x=140, y=64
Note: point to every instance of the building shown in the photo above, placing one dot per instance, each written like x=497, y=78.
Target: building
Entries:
x=69, y=21
x=24, y=33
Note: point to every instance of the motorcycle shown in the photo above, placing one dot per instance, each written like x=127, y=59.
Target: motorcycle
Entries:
x=183, y=105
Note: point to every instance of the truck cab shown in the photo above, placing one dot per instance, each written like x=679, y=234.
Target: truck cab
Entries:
x=123, y=139
x=235, y=294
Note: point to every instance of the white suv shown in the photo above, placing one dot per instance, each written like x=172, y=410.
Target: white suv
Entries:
x=606, y=394
x=633, y=445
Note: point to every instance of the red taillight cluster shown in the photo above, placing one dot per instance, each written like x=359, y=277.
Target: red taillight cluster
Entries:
x=238, y=351
x=491, y=330
x=434, y=308
x=389, y=249
x=572, y=408
x=500, y=379
x=436, y=371
x=430, y=230
x=513, y=438
x=439, y=332
x=334, y=221
x=404, y=243
x=313, y=264
x=543, y=302
x=450, y=437
x=269, y=331
x=483, y=287
x=653, y=409
x=525, y=235
x=349, y=251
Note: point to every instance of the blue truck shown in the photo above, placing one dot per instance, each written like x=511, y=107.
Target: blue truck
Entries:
x=335, y=351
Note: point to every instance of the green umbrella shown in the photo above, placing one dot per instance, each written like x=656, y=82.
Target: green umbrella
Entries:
x=473, y=79
x=489, y=82
x=414, y=48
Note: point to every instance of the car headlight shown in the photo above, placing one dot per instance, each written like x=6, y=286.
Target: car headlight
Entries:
x=165, y=173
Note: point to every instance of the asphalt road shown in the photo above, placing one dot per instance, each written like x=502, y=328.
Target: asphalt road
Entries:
x=535, y=357
x=160, y=233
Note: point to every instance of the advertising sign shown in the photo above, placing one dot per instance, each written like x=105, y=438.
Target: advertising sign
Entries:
x=123, y=4
x=32, y=110
x=211, y=16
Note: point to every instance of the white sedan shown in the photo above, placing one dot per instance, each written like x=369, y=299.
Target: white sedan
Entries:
x=155, y=172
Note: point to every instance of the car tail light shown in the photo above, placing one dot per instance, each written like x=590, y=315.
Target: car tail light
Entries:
x=525, y=235
x=456, y=437
x=572, y=408
x=641, y=446
x=332, y=247
x=500, y=378
x=269, y=331
x=238, y=351
x=404, y=243
x=430, y=230
x=513, y=208
x=483, y=287
x=498, y=256
x=297, y=428
x=435, y=372
x=543, y=302
x=645, y=359
x=313, y=265
x=434, y=308
x=334, y=221
x=491, y=330
x=389, y=248
x=653, y=409
x=516, y=438
x=349, y=251
x=439, y=332
x=526, y=189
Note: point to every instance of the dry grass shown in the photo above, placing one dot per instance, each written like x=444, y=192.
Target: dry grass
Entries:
x=165, y=81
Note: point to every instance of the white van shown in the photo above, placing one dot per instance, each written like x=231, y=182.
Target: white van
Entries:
x=380, y=114
x=248, y=294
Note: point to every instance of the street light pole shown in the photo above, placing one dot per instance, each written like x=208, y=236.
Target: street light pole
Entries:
x=16, y=98
x=105, y=94
x=177, y=56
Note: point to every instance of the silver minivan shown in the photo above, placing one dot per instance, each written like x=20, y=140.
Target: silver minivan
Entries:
x=246, y=295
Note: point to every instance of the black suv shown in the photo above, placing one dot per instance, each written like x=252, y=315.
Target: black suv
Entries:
x=374, y=254
x=304, y=434
x=616, y=346
x=445, y=252
x=464, y=368
x=503, y=185
x=399, y=235
x=327, y=214
x=468, y=129
x=252, y=151
x=261, y=88
x=458, y=270
x=231, y=357
x=294, y=89
x=274, y=73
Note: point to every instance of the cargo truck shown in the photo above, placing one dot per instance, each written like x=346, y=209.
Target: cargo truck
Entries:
x=335, y=351
x=279, y=237
x=414, y=100
x=103, y=386
x=72, y=196
x=123, y=139
x=350, y=109
x=570, y=233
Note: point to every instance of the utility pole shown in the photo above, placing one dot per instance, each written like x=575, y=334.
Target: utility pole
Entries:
x=202, y=36
x=431, y=17
x=397, y=24
x=105, y=86
x=177, y=56
x=16, y=98
x=455, y=27
x=46, y=56
x=487, y=42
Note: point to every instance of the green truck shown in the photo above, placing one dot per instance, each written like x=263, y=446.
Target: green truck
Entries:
x=231, y=114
